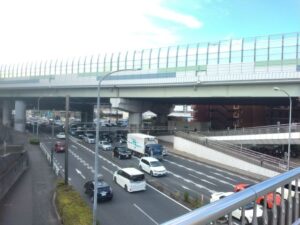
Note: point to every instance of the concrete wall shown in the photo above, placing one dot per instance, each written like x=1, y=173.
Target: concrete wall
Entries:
x=191, y=149
x=167, y=138
x=212, y=156
x=12, y=171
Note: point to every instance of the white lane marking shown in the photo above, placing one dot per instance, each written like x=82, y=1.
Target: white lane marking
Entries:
x=142, y=211
x=92, y=170
x=222, y=175
x=184, y=187
x=73, y=146
x=206, y=181
x=108, y=170
x=189, y=181
x=80, y=173
x=211, y=167
x=200, y=173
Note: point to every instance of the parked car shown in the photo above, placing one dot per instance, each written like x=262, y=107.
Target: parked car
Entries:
x=237, y=214
x=152, y=166
x=122, y=152
x=104, y=145
x=104, y=191
x=61, y=135
x=59, y=146
x=89, y=138
x=131, y=179
x=260, y=200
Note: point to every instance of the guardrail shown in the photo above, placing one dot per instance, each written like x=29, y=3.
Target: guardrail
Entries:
x=285, y=212
x=49, y=158
x=282, y=128
x=241, y=152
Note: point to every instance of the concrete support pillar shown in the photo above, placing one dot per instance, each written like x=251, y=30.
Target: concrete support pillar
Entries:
x=135, y=109
x=87, y=114
x=6, y=113
x=135, y=121
x=162, y=111
x=162, y=119
x=20, y=116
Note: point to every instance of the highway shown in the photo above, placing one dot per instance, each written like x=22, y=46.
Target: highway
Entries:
x=152, y=206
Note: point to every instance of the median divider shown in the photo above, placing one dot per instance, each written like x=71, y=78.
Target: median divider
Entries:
x=71, y=207
x=48, y=156
x=183, y=198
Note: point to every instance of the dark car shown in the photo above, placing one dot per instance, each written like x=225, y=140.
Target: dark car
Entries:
x=59, y=146
x=122, y=152
x=104, y=193
x=105, y=137
x=121, y=140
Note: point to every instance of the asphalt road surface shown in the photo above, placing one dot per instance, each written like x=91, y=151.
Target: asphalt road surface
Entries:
x=152, y=206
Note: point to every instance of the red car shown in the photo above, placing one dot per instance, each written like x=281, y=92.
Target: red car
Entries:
x=260, y=199
x=59, y=146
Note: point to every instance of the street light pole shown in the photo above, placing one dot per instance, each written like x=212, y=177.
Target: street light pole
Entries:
x=290, y=124
x=97, y=139
x=37, y=124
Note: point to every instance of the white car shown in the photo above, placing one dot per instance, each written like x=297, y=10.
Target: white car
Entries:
x=61, y=135
x=89, y=138
x=131, y=179
x=105, y=145
x=237, y=214
x=152, y=166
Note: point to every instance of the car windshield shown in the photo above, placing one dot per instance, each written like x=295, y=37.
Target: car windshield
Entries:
x=122, y=149
x=105, y=143
x=90, y=135
x=105, y=188
x=155, y=164
x=140, y=177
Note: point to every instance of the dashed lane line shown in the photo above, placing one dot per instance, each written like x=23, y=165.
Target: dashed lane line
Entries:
x=211, y=167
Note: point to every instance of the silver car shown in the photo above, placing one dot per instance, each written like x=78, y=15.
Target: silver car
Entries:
x=105, y=145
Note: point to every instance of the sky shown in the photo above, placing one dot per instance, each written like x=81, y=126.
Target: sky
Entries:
x=35, y=30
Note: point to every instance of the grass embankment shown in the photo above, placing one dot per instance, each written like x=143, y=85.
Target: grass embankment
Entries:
x=71, y=207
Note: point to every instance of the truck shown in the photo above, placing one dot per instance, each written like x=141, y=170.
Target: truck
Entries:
x=144, y=145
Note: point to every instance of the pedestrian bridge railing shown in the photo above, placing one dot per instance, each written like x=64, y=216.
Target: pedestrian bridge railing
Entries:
x=282, y=128
x=286, y=211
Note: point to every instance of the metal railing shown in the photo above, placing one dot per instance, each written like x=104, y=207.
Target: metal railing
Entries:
x=241, y=152
x=240, y=56
x=284, y=212
x=272, y=129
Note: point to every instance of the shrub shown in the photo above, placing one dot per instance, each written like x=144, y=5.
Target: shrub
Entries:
x=175, y=195
x=196, y=203
x=186, y=197
x=72, y=208
x=34, y=141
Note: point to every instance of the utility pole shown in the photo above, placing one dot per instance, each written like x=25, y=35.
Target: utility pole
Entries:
x=53, y=145
x=67, y=138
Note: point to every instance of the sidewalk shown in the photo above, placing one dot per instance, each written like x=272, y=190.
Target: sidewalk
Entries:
x=30, y=200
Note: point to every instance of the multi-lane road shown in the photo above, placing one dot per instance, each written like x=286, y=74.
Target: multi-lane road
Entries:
x=152, y=206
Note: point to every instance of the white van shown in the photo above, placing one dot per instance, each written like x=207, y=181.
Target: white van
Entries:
x=131, y=179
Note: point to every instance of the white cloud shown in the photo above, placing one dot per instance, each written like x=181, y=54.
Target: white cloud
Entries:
x=32, y=30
